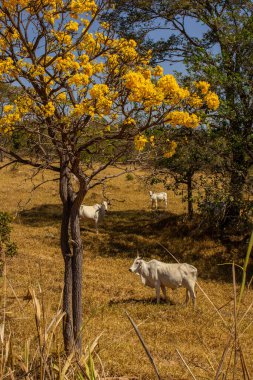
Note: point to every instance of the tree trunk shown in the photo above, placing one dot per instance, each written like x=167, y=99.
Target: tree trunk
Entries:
x=73, y=259
x=1, y=153
x=77, y=265
x=236, y=186
x=67, y=291
x=189, y=195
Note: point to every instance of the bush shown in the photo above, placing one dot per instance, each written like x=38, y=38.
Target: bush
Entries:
x=9, y=247
x=129, y=177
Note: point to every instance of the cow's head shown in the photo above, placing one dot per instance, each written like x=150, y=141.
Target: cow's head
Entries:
x=136, y=266
x=105, y=205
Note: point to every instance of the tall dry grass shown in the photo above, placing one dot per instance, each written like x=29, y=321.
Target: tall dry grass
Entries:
x=182, y=342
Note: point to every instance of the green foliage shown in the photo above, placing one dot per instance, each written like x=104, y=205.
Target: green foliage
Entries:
x=216, y=54
x=5, y=230
x=129, y=177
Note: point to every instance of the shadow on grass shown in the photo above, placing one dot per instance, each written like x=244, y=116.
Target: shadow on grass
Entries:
x=41, y=216
x=131, y=232
x=143, y=301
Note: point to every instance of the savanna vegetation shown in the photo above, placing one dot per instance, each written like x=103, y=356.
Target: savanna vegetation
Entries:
x=110, y=289
x=88, y=114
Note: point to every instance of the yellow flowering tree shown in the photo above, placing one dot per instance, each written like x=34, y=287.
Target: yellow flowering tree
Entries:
x=82, y=90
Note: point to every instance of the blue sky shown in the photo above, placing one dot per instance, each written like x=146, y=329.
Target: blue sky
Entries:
x=195, y=29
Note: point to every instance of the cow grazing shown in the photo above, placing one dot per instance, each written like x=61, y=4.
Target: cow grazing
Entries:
x=155, y=197
x=96, y=212
x=156, y=274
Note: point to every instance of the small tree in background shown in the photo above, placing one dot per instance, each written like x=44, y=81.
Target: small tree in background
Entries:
x=87, y=97
x=215, y=52
x=197, y=158
x=6, y=245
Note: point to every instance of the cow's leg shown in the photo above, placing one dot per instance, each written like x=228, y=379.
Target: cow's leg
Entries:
x=156, y=204
x=192, y=294
x=164, y=292
x=157, y=288
x=96, y=225
x=187, y=297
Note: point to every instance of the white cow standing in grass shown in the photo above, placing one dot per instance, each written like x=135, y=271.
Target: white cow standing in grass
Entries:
x=96, y=212
x=155, y=197
x=156, y=274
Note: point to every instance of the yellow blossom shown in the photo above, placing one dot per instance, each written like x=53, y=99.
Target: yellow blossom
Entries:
x=140, y=142
x=79, y=80
x=203, y=86
x=8, y=108
x=48, y=110
x=195, y=101
x=212, y=100
x=158, y=71
x=152, y=140
x=129, y=121
x=72, y=26
x=182, y=118
x=172, y=149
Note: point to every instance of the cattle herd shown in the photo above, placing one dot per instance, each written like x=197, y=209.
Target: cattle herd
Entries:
x=154, y=274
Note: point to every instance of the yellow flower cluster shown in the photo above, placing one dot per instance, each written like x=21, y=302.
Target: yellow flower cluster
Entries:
x=84, y=108
x=79, y=80
x=195, y=101
x=129, y=121
x=212, y=100
x=62, y=97
x=102, y=99
x=203, y=86
x=182, y=118
x=105, y=25
x=158, y=71
x=172, y=149
x=67, y=63
x=48, y=110
x=6, y=66
x=12, y=4
x=140, y=142
x=63, y=38
x=152, y=140
x=8, y=108
x=82, y=6
x=142, y=90
x=173, y=93
x=72, y=26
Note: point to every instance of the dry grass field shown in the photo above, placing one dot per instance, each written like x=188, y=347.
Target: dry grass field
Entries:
x=109, y=289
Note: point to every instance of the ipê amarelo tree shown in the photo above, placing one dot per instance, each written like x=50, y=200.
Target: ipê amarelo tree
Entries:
x=82, y=90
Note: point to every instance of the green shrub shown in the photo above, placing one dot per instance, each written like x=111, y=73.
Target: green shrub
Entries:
x=5, y=230
x=129, y=177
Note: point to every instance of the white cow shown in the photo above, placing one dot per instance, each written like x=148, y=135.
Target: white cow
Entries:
x=156, y=274
x=96, y=212
x=155, y=197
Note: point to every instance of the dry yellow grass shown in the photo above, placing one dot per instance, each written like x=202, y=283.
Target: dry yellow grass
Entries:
x=109, y=289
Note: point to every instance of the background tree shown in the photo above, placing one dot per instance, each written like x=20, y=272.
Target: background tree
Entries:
x=84, y=92
x=8, y=93
x=217, y=54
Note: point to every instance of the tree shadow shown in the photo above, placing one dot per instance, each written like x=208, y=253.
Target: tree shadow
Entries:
x=131, y=232
x=41, y=216
x=144, y=301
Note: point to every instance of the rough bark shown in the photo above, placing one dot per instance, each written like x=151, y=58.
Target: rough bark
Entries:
x=77, y=264
x=67, y=290
x=189, y=195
